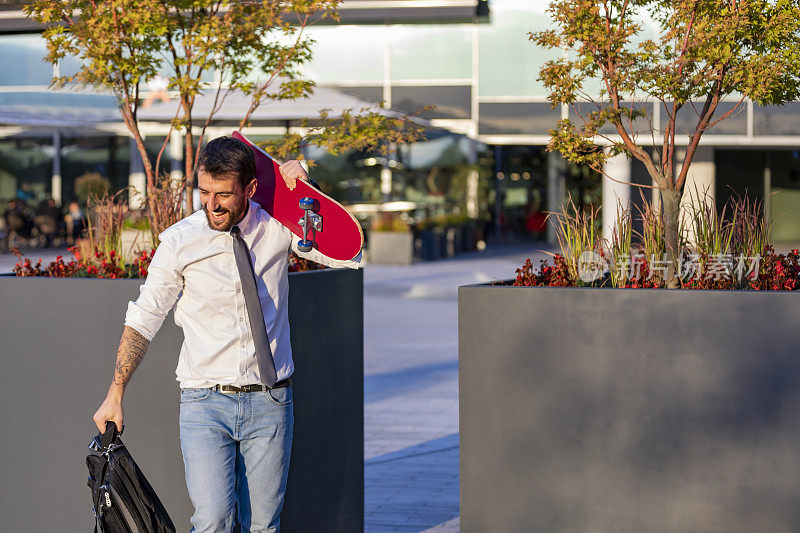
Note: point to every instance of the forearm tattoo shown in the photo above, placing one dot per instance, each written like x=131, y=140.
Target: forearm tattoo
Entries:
x=132, y=347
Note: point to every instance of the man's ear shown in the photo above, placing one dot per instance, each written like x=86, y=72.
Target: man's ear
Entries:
x=250, y=189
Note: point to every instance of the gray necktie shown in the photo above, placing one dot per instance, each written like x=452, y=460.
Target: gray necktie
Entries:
x=266, y=365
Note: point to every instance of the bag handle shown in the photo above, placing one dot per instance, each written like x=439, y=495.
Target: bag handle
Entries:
x=109, y=435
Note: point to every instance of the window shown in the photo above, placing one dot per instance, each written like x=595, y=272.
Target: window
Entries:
x=776, y=120
x=369, y=93
x=517, y=118
x=346, y=53
x=451, y=102
x=509, y=62
x=22, y=61
x=735, y=124
x=431, y=52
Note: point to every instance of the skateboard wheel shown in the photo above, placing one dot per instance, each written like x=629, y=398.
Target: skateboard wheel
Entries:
x=305, y=246
x=307, y=203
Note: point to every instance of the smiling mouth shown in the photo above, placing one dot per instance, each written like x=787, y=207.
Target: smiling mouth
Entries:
x=218, y=216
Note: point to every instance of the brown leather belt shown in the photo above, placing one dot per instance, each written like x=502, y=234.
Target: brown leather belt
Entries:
x=252, y=388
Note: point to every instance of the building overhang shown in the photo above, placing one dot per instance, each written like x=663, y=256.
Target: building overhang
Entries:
x=412, y=11
x=13, y=19
x=93, y=114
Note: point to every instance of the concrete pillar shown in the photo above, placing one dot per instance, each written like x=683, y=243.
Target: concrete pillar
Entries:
x=176, y=156
x=55, y=181
x=136, y=178
x=700, y=187
x=472, y=193
x=472, y=181
x=556, y=192
x=386, y=183
x=767, y=185
x=701, y=179
x=655, y=196
x=616, y=191
x=655, y=192
x=498, y=192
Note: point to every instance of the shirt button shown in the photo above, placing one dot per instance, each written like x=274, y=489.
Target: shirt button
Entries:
x=242, y=346
x=238, y=291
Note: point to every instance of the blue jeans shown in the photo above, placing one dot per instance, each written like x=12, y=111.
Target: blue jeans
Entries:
x=236, y=449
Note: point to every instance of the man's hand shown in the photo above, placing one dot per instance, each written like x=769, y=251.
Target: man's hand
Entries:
x=109, y=411
x=291, y=172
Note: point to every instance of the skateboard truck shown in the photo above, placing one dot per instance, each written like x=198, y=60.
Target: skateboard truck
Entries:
x=309, y=221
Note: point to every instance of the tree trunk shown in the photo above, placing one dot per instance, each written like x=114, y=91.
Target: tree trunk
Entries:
x=133, y=128
x=189, y=168
x=148, y=171
x=671, y=202
x=187, y=102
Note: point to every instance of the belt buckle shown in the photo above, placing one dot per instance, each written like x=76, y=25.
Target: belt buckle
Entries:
x=226, y=389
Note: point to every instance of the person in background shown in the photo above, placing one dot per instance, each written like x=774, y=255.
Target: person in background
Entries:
x=18, y=222
x=76, y=222
x=25, y=193
x=49, y=220
x=535, y=221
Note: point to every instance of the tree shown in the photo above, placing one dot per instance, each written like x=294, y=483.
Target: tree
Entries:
x=704, y=51
x=117, y=42
x=256, y=48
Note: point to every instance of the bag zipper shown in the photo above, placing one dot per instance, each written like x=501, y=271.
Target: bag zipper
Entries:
x=110, y=515
x=127, y=502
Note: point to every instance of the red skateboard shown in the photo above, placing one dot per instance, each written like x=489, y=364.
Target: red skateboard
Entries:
x=319, y=220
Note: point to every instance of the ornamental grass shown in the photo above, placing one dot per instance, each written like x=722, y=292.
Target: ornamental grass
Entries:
x=720, y=249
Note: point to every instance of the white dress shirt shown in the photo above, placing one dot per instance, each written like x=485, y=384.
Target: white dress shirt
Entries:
x=194, y=265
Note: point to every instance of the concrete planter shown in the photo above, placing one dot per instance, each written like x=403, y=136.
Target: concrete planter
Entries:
x=628, y=410
x=438, y=243
x=467, y=236
x=135, y=240
x=432, y=244
x=391, y=247
x=58, y=339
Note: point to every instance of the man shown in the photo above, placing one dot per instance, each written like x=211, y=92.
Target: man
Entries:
x=226, y=266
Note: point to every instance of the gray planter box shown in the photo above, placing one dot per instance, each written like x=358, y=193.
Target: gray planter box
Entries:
x=432, y=244
x=134, y=241
x=58, y=340
x=628, y=410
x=391, y=247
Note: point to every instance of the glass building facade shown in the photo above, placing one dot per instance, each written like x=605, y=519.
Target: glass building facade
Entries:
x=481, y=76
x=474, y=65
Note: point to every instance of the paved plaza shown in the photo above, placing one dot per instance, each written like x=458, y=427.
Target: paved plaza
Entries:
x=411, y=386
x=47, y=255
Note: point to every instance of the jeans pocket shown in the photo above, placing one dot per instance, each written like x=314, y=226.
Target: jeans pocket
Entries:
x=282, y=396
x=194, y=395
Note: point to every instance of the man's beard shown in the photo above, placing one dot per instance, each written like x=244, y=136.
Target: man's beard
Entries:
x=231, y=218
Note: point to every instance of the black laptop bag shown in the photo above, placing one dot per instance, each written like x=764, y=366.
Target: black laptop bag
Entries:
x=123, y=501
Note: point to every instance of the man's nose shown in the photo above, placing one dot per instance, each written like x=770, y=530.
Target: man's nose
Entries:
x=212, y=202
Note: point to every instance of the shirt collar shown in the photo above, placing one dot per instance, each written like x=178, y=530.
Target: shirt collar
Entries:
x=250, y=219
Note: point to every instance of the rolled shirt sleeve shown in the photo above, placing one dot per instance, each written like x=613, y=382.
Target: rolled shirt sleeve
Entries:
x=157, y=295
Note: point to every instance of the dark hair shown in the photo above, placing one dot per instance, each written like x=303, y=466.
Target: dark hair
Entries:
x=224, y=156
